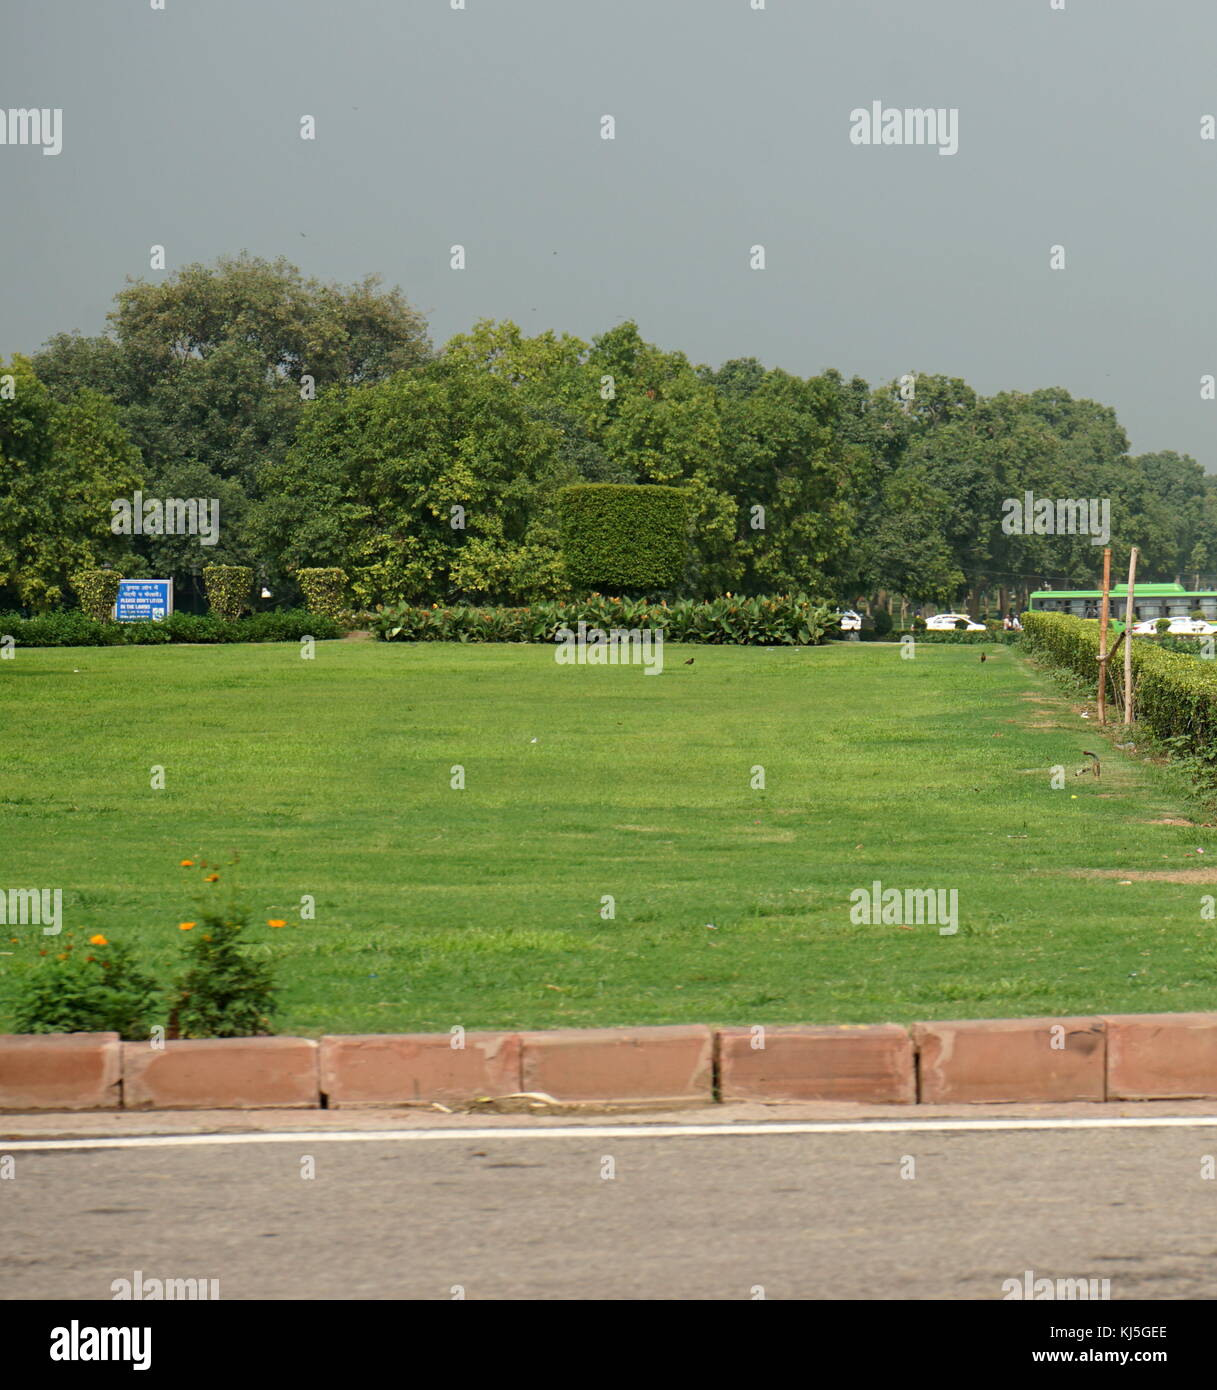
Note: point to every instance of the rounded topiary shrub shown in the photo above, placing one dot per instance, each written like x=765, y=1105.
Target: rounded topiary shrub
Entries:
x=624, y=536
x=228, y=589
x=324, y=591
x=97, y=591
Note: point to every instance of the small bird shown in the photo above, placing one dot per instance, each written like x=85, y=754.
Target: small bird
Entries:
x=983, y=658
x=690, y=661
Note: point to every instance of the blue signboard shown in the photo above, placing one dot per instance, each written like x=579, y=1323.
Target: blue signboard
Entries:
x=144, y=600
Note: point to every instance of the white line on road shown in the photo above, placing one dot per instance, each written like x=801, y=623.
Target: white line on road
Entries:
x=639, y=1131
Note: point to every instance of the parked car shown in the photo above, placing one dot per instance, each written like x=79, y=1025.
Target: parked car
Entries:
x=949, y=622
x=1179, y=627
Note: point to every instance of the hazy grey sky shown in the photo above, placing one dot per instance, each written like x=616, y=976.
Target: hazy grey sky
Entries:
x=1079, y=127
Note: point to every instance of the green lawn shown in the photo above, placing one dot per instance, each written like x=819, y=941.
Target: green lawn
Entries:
x=481, y=907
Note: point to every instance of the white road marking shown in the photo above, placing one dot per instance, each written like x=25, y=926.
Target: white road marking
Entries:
x=639, y=1131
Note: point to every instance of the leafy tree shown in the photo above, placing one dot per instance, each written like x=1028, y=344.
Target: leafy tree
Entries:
x=209, y=366
x=906, y=552
x=789, y=471
x=61, y=466
x=376, y=472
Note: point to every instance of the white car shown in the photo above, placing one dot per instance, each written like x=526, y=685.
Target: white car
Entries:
x=1179, y=627
x=949, y=622
x=849, y=620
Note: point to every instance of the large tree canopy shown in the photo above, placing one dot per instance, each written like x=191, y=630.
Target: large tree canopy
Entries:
x=212, y=366
x=330, y=433
x=434, y=483
x=61, y=466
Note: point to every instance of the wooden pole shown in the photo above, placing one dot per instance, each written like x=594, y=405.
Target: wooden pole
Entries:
x=1104, y=611
x=1128, y=621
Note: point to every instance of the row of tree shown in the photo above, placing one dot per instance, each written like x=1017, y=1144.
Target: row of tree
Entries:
x=331, y=432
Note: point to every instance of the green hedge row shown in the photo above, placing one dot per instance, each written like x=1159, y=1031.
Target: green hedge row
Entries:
x=624, y=536
x=790, y=620
x=75, y=629
x=1175, y=694
x=965, y=639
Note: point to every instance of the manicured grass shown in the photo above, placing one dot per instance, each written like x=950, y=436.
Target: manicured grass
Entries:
x=481, y=907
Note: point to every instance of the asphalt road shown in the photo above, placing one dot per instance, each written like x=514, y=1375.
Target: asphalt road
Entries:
x=581, y=1214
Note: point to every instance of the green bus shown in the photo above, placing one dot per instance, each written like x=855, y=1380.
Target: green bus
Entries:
x=1149, y=601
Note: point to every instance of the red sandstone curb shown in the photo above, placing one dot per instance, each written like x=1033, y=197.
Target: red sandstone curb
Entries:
x=872, y=1063
x=1112, y=1057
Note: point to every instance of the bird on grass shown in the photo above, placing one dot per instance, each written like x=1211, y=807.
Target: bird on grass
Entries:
x=983, y=658
x=689, y=662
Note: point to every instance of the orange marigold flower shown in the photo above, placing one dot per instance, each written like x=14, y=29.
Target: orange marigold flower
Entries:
x=63, y=955
x=275, y=922
x=98, y=940
x=211, y=878
x=187, y=864
x=185, y=926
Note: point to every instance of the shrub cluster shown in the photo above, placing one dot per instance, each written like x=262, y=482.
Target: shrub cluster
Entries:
x=1175, y=694
x=324, y=591
x=1177, y=643
x=95, y=987
x=787, y=620
x=92, y=987
x=222, y=993
x=624, y=536
x=228, y=589
x=97, y=591
x=72, y=628
x=963, y=639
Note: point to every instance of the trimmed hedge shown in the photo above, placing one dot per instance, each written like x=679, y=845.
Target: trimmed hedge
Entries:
x=324, y=591
x=97, y=591
x=228, y=589
x=1001, y=635
x=76, y=629
x=1175, y=694
x=629, y=536
x=789, y=620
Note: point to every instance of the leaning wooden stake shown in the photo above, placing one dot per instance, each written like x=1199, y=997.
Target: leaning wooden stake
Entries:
x=1103, y=615
x=1128, y=615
